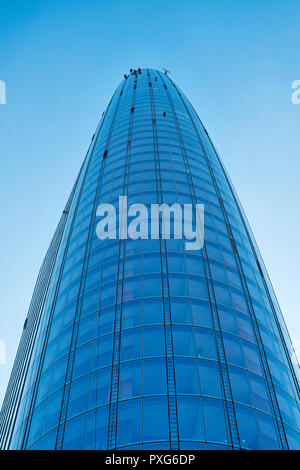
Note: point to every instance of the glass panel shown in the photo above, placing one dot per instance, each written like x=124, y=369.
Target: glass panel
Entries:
x=129, y=422
x=190, y=417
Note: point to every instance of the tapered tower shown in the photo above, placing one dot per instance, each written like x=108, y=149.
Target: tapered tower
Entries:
x=143, y=343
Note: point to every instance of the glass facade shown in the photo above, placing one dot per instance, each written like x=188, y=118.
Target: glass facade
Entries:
x=142, y=344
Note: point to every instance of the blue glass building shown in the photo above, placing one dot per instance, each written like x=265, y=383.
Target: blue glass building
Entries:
x=142, y=344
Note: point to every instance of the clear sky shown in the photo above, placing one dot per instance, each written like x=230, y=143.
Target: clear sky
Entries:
x=61, y=61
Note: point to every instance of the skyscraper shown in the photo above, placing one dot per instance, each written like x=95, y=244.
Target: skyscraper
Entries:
x=143, y=343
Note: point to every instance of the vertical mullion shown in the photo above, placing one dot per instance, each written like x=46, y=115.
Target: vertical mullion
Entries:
x=170, y=364
x=115, y=374
x=229, y=403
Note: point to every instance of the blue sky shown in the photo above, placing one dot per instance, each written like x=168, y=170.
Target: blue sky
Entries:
x=61, y=61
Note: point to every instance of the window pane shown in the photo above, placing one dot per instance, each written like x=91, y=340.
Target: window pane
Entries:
x=187, y=377
x=240, y=386
x=78, y=396
x=190, y=417
x=154, y=377
x=214, y=419
x=129, y=422
x=153, y=341
x=183, y=341
x=247, y=427
x=74, y=433
x=155, y=419
x=130, y=380
x=210, y=379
